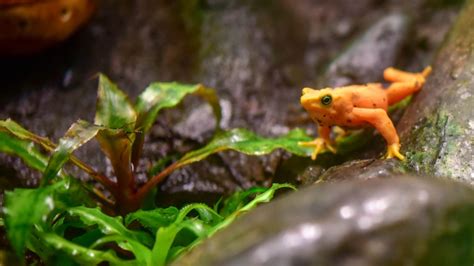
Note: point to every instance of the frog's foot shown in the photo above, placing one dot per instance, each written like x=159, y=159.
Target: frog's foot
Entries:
x=320, y=145
x=393, y=150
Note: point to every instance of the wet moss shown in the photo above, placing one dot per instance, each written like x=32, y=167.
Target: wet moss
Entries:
x=433, y=145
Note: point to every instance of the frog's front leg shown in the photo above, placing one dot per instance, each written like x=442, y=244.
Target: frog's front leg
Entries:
x=380, y=120
x=340, y=133
x=321, y=143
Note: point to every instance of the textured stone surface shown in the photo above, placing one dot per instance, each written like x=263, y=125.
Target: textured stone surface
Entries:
x=395, y=221
x=437, y=129
x=367, y=57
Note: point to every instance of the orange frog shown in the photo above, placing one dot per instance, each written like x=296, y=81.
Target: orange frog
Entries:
x=358, y=106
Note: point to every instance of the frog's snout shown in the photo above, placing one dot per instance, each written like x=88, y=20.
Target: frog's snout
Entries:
x=309, y=95
x=306, y=90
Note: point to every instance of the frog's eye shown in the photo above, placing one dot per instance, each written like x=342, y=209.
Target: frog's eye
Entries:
x=326, y=100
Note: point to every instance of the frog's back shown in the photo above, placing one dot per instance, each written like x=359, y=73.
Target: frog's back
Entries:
x=371, y=95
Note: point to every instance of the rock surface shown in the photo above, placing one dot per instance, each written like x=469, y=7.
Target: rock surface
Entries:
x=437, y=129
x=395, y=221
x=367, y=58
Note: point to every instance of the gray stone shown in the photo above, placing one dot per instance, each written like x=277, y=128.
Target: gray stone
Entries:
x=365, y=60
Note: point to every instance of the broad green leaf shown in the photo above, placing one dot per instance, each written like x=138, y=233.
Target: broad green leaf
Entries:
x=247, y=142
x=153, y=219
x=159, y=95
x=109, y=225
x=78, y=138
x=20, y=132
x=78, y=134
x=25, y=208
x=52, y=244
x=113, y=107
x=23, y=149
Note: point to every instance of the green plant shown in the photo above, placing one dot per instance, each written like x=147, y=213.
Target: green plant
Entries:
x=39, y=218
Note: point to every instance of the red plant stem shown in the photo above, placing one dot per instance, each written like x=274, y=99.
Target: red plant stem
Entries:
x=107, y=205
x=102, y=179
x=155, y=180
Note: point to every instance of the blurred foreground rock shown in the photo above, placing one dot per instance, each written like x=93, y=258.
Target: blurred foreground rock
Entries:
x=395, y=221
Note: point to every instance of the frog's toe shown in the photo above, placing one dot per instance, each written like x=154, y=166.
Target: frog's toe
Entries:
x=314, y=154
x=393, y=151
x=331, y=148
x=306, y=143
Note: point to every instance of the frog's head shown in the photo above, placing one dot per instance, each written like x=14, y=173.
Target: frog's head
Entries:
x=317, y=100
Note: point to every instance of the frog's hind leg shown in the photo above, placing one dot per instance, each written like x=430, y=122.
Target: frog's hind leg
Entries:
x=404, y=83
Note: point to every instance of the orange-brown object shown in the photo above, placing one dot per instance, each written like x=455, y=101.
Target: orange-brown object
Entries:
x=29, y=26
x=358, y=106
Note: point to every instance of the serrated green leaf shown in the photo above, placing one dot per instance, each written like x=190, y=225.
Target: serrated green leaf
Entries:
x=238, y=200
x=25, y=208
x=247, y=142
x=205, y=212
x=260, y=198
x=52, y=244
x=23, y=149
x=114, y=110
x=109, y=225
x=165, y=236
x=163, y=249
x=142, y=253
x=164, y=240
x=78, y=134
x=153, y=219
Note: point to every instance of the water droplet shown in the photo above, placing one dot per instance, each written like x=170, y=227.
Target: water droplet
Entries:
x=455, y=73
x=49, y=202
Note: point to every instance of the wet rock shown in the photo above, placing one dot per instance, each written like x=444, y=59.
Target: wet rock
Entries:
x=437, y=129
x=188, y=185
x=395, y=221
x=243, y=52
x=362, y=170
x=365, y=60
x=200, y=122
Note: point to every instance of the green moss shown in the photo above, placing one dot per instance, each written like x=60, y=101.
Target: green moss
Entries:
x=430, y=142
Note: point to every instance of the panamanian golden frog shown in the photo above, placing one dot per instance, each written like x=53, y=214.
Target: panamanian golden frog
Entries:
x=359, y=106
x=29, y=26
